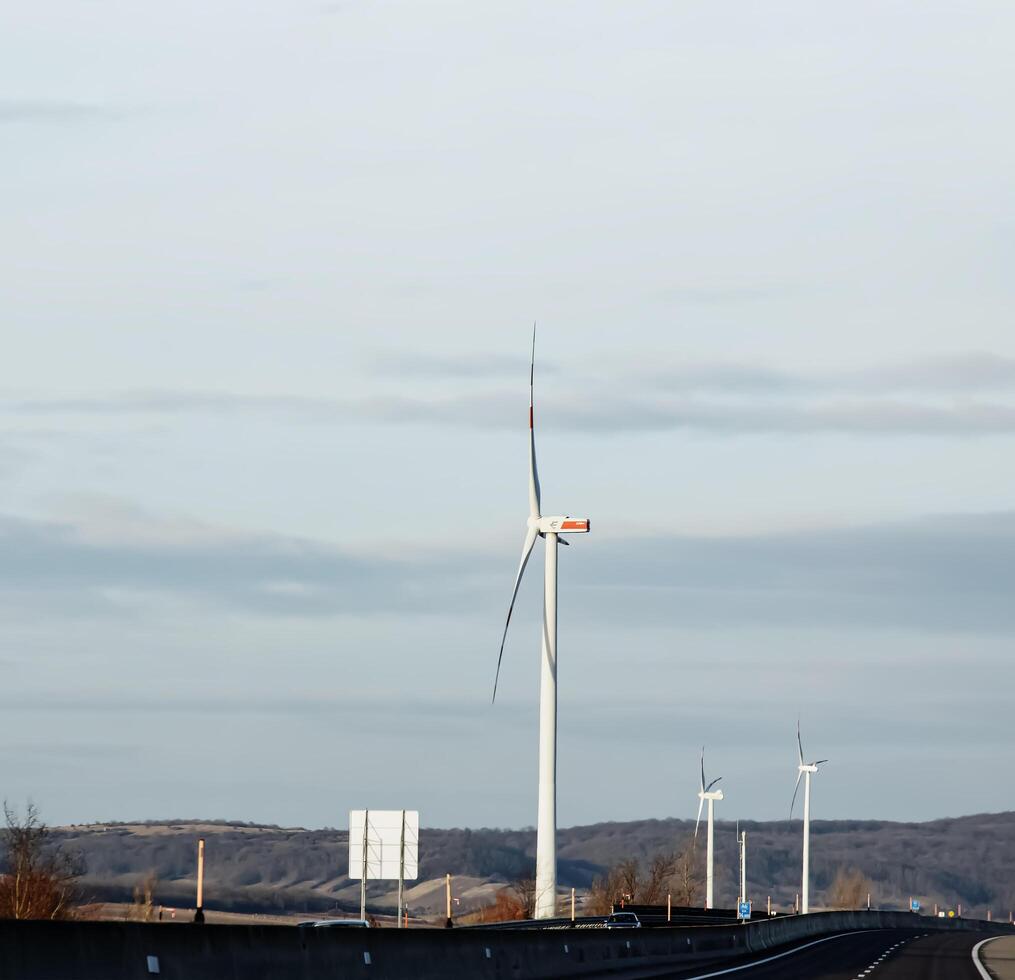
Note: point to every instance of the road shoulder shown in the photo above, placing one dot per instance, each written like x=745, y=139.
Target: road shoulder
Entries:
x=998, y=956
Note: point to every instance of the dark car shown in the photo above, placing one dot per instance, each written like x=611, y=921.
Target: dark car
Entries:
x=623, y=920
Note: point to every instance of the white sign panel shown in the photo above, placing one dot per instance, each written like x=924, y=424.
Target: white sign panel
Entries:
x=385, y=832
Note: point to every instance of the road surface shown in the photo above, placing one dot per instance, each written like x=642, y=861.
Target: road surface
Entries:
x=883, y=954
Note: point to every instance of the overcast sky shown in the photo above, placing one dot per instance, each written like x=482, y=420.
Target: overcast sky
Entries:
x=268, y=276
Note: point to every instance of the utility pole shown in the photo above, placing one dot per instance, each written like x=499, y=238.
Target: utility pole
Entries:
x=743, y=866
x=199, y=911
x=363, y=869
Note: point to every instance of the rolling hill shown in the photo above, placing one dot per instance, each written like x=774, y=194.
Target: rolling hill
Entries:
x=965, y=860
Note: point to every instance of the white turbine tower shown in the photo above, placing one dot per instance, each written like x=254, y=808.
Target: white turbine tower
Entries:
x=547, y=528
x=707, y=793
x=804, y=771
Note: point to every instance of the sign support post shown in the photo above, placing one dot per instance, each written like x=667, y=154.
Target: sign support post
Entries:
x=401, y=872
x=363, y=880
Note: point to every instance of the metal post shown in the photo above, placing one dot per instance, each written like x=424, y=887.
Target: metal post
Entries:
x=363, y=878
x=401, y=872
x=199, y=911
x=669, y=908
x=988, y=915
x=447, y=897
x=770, y=906
x=868, y=901
x=572, y=904
x=743, y=866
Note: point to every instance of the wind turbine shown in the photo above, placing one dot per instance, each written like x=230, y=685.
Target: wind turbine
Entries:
x=707, y=793
x=804, y=771
x=548, y=528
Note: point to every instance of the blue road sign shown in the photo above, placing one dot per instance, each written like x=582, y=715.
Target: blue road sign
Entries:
x=744, y=910
x=914, y=905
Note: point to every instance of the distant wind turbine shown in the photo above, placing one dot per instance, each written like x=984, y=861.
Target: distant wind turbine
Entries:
x=548, y=528
x=707, y=793
x=804, y=771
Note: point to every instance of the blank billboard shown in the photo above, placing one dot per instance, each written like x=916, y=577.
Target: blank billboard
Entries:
x=384, y=843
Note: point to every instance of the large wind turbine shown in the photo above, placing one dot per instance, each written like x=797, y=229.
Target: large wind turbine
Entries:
x=707, y=793
x=804, y=770
x=547, y=528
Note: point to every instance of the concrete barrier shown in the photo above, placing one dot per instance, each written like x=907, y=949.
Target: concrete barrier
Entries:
x=139, y=951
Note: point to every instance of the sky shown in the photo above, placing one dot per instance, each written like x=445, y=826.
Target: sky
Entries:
x=267, y=278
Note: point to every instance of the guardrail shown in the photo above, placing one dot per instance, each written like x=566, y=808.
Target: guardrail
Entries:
x=139, y=951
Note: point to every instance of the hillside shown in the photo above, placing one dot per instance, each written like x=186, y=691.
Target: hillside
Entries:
x=968, y=860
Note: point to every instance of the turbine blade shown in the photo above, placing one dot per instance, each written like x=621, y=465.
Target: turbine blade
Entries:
x=819, y=762
x=701, y=803
x=799, y=744
x=796, y=788
x=534, y=500
x=703, y=768
x=711, y=784
x=530, y=539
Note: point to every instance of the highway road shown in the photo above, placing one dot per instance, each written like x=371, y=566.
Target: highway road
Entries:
x=883, y=954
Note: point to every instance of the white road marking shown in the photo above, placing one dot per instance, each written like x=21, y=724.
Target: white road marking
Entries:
x=981, y=969
x=779, y=956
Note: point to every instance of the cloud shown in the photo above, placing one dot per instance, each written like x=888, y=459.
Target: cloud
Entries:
x=50, y=111
x=970, y=373
x=616, y=413
x=937, y=397
x=75, y=569
x=941, y=573
x=421, y=364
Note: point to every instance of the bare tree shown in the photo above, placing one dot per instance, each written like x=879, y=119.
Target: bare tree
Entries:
x=143, y=909
x=605, y=890
x=506, y=907
x=669, y=873
x=654, y=889
x=627, y=876
x=40, y=878
x=525, y=891
x=849, y=889
x=686, y=881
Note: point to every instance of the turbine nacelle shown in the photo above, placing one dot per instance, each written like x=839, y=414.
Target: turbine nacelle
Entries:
x=561, y=524
x=714, y=795
x=808, y=767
